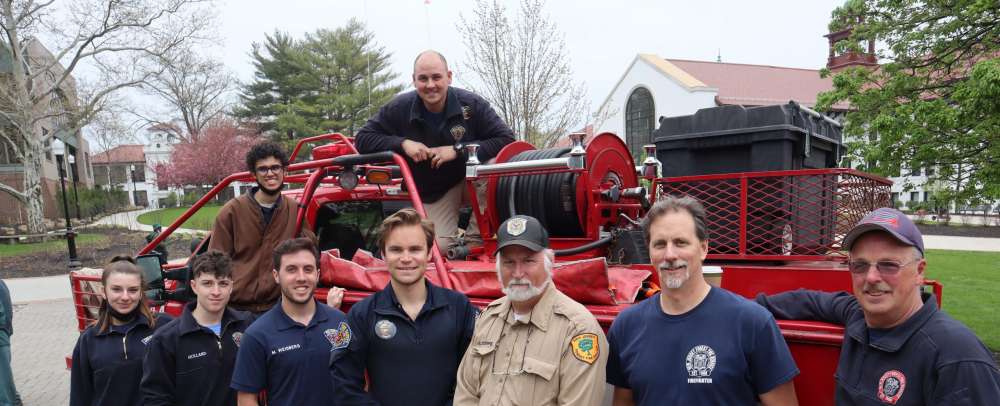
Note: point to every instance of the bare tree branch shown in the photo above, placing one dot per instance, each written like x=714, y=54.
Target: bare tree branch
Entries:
x=122, y=41
x=523, y=70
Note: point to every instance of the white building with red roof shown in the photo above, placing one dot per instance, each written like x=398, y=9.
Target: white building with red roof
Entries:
x=653, y=87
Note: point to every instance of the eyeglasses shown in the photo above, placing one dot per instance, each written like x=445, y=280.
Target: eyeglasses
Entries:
x=263, y=170
x=885, y=268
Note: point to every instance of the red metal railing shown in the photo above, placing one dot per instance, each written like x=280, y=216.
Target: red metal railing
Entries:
x=781, y=215
x=330, y=137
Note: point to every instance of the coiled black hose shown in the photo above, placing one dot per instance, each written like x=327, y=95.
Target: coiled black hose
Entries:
x=550, y=198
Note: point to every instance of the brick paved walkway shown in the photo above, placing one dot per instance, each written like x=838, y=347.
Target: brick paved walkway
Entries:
x=44, y=334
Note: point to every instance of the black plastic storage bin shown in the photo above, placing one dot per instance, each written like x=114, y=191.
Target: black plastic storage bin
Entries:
x=732, y=139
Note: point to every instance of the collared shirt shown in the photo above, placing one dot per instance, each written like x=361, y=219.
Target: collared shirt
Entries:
x=929, y=359
x=406, y=359
x=468, y=119
x=107, y=365
x=289, y=359
x=557, y=357
x=188, y=364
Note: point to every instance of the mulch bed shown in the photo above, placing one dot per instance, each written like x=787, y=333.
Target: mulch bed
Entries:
x=93, y=255
x=960, y=231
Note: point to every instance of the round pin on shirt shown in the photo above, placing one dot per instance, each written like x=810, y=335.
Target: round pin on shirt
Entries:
x=385, y=329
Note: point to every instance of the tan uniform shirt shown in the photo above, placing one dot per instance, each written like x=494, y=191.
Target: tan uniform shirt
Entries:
x=556, y=357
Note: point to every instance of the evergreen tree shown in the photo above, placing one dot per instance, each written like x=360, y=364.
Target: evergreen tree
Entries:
x=277, y=84
x=331, y=81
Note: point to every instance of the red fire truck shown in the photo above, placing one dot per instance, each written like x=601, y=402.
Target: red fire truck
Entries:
x=770, y=230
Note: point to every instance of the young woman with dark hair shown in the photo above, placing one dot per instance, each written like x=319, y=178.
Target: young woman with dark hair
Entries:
x=107, y=360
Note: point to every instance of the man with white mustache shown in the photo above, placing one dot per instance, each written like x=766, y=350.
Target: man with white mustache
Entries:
x=898, y=348
x=693, y=343
x=535, y=346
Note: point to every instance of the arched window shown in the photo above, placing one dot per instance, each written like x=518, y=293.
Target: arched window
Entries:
x=638, y=121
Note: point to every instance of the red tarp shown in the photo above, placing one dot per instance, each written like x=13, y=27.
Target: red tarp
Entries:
x=588, y=281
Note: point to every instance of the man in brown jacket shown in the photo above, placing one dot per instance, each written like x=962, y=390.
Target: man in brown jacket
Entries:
x=535, y=346
x=249, y=227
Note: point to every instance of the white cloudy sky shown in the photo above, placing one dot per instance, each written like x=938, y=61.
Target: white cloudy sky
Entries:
x=602, y=37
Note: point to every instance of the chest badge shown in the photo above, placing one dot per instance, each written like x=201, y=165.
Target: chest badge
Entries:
x=385, y=329
x=891, y=386
x=586, y=347
x=466, y=112
x=700, y=362
x=145, y=341
x=339, y=337
x=458, y=132
x=237, y=336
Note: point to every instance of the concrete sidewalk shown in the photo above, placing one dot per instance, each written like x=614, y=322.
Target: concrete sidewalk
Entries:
x=947, y=242
x=130, y=220
x=24, y=290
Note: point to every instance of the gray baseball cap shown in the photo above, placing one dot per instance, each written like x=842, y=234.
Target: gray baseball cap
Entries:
x=891, y=221
x=521, y=230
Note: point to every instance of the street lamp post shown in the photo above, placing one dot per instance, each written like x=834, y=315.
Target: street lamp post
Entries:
x=74, y=263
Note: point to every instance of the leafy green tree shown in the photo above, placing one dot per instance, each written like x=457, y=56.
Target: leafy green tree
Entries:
x=332, y=80
x=934, y=100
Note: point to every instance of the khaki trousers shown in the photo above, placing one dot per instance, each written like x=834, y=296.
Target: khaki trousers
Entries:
x=444, y=214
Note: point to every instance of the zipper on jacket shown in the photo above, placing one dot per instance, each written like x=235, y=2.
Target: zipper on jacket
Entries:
x=124, y=347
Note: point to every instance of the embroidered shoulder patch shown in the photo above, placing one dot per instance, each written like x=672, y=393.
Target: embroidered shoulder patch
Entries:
x=339, y=337
x=586, y=347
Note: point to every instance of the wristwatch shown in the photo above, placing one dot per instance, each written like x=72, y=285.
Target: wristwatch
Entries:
x=460, y=149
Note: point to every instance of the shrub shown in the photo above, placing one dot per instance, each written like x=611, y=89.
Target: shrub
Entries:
x=92, y=202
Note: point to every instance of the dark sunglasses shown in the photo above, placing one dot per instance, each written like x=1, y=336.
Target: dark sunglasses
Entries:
x=886, y=268
x=263, y=170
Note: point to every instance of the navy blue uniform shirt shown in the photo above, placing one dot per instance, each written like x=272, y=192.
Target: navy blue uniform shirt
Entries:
x=468, y=119
x=725, y=351
x=290, y=360
x=929, y=359
x=409, y=361
x=107, y=366
x=187, y=364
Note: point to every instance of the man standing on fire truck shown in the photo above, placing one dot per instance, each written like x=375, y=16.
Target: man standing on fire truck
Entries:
x=898, y=348
x=430, y=127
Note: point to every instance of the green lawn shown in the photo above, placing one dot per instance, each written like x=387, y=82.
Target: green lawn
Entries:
x=52, y=245
x=971, y=289
x=201, y=220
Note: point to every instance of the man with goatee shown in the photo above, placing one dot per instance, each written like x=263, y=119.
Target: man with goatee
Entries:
x=249, y=227
x=694, y=344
